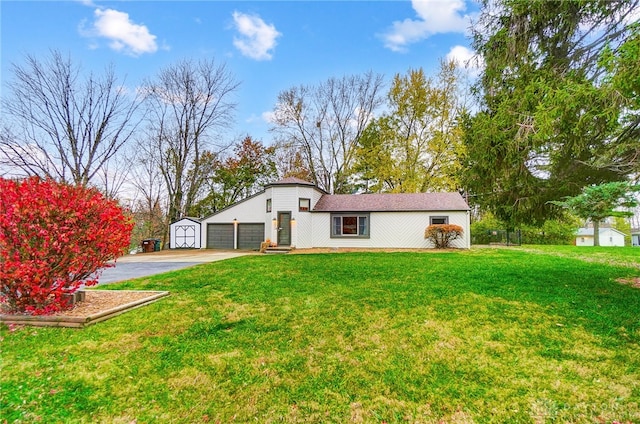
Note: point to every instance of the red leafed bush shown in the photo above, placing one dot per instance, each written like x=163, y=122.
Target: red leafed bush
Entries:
x=54, y=237
x=441, y=235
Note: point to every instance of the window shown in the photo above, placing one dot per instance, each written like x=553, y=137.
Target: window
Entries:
x=348, y=225
x=304, y=205
x=268, y=205
x=438, y=220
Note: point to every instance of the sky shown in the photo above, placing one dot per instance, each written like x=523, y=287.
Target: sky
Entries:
x=268, y=46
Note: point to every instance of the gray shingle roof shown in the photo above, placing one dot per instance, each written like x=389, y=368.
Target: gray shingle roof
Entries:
x=391, y=202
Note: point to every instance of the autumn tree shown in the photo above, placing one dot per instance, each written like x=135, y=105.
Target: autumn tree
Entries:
x=237, y=176
x=188, y=102
x=325, y=123
x=597, y=202
x=290, y=161
x=64, y=124
x=547, y=112
x=414, y=147
x=54, y=238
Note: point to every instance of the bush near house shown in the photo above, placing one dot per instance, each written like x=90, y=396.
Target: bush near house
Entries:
x=54, y=237
x=441, y=235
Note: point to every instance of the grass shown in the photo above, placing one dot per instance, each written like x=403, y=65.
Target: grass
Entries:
x=484, y=336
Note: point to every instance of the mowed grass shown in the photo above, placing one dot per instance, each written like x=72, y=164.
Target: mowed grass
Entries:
x=480, y=336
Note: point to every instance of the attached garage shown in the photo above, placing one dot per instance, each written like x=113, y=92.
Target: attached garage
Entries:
x=220, y=236
x=250, y=235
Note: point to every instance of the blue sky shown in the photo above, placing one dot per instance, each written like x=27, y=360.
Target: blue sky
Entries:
x=269, y=46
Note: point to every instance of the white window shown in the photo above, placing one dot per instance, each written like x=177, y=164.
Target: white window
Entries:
x=438, y=220
x=304, y=205
x=268, y=205
x=350, y=225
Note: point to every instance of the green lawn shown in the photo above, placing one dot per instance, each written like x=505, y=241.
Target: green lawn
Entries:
x=487, y=335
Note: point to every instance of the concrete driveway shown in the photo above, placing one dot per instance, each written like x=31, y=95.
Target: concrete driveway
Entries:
x=144, y=264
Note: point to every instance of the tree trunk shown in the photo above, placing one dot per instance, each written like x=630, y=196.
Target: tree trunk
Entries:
x=596, y=232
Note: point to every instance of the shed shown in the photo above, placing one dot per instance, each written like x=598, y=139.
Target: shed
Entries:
x=185, y=234
x=608, y=237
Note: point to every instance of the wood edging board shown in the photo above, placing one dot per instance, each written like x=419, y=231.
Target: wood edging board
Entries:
x=81, y=322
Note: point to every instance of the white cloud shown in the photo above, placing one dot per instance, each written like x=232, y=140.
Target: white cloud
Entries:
x=466, y=59
x=256, y=38
x=124, y=35
x=433, y=17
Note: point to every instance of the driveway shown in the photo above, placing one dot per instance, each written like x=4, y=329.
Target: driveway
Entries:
x=144, y=264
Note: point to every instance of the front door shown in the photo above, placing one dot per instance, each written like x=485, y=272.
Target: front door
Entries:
x=284, y=228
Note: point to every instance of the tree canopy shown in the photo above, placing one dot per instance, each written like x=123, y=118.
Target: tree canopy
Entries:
x=415, y=146
x=549, y=108
x=597, y=202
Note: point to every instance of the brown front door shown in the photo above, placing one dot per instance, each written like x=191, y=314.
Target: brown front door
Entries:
x=284, y=228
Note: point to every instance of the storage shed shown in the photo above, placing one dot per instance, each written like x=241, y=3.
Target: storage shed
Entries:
x=185, y=234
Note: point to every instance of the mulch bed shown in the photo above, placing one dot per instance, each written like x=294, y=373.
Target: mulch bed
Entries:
x=97, y=306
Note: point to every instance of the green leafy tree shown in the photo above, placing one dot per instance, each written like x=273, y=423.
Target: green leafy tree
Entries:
x=238, y=176
x=415, y=146
x=549, y=109
x=598, y=202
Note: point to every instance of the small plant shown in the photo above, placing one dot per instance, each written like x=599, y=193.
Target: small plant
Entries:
x=441, y=235
x=54, y=238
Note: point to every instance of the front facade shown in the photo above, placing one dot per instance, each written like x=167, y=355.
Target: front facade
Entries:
x=295, y=213
x=608, y=237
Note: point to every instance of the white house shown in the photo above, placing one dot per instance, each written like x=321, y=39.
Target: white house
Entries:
x=185, y=234
x=635, y=237
x=295, y=213
x=608, y=237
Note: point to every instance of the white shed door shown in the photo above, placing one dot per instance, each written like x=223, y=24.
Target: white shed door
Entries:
x=185, y=236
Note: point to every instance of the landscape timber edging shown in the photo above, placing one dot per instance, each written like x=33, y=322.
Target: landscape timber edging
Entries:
x=81, y=322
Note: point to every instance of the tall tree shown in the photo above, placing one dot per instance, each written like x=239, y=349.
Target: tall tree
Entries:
x=325, y=122
x=237, y=176
x=415, y=146
x=597, y=202
x=547, y=113
x=62, y=124
x=188, y=102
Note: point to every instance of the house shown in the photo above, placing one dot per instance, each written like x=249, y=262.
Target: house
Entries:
x=295, y=213
x=635, y=237
x=185, y=234
x=608, y=237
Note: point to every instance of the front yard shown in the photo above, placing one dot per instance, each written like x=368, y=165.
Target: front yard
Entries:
x=485, y=336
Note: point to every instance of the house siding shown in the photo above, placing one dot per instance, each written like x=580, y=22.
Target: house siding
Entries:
x=608, y=237
x=252, y=210
x=385, y=230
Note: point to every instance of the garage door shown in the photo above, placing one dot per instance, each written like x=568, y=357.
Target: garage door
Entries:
x=219, y=236
x=250, y=236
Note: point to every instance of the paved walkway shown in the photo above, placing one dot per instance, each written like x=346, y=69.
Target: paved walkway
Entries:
x=144, y=264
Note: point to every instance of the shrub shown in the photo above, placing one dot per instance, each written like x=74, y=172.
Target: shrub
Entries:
x=441, y=235
x=54, y=238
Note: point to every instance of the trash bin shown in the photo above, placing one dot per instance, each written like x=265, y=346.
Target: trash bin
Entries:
x=148, y=245
x=156, y=245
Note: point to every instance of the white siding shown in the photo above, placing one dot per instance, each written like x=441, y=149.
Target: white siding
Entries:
x=251, y=210
x=184, y=222
x=390, y=229
x=608, y=237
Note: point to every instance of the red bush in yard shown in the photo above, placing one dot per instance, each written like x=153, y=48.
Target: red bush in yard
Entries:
x=441, y=235
x=54, y=237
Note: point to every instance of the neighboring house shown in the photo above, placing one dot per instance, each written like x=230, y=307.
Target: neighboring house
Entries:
x=608, y=237
x=635, y=237
x=185, y=233
x=295, y=213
